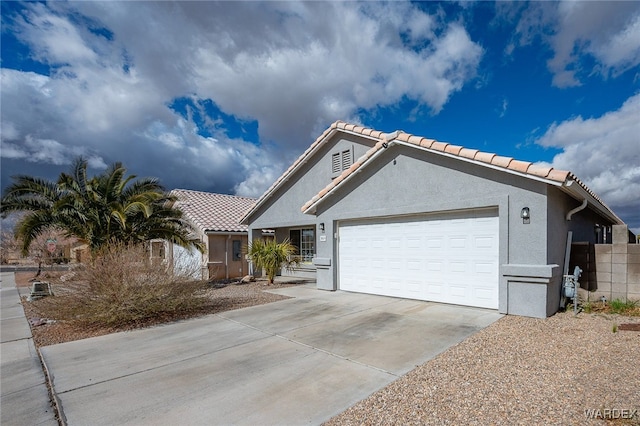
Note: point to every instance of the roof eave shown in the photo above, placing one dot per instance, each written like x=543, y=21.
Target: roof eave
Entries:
x=299, y=163
x=222, y=232
x=302, y=160
x=577, y=191
x=313, y=207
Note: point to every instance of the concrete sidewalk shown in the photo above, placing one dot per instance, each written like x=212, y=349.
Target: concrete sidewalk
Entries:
x=24, y=394
x=291, y=362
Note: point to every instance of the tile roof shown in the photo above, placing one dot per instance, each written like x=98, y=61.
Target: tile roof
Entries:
x=524, y=168
x=508, y=164
x=213, y=212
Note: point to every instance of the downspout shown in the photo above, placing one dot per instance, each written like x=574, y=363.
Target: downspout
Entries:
x=226, y=257
x=577, y=209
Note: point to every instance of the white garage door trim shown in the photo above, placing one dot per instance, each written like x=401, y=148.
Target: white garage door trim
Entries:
x=450, y=258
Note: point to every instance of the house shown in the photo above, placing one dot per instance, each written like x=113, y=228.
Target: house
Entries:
x=401, y=215
x=216, y=217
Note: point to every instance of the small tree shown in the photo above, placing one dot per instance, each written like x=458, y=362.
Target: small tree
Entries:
x=271, y=256
x=38, y=249
x=98, y=210
x=9, y=246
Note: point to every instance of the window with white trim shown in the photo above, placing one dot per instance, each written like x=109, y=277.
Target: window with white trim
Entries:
x=304, y=240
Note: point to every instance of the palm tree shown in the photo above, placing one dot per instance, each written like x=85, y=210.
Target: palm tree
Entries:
x=271, y=256
x=104, y=208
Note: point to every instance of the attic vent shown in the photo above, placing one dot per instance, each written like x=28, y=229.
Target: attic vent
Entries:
x=346, y=159
x=336, y=165
x=341, y=161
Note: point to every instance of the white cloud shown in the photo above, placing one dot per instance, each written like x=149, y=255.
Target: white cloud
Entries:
x=48, y=151
x=604, y=152
x=55, y=39
x=118, y=65
x=607, y=32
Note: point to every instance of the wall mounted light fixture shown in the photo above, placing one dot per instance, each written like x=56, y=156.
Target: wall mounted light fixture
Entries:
x=322, y=226
x=525, y=215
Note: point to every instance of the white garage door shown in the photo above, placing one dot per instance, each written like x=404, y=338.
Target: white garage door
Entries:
x=447, y=258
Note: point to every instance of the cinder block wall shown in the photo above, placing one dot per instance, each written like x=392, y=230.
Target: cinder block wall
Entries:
x=617, y=268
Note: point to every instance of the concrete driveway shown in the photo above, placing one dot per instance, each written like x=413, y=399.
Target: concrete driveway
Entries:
x=292, y=362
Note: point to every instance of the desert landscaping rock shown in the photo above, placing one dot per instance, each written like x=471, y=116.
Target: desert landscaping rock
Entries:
x=517, y=371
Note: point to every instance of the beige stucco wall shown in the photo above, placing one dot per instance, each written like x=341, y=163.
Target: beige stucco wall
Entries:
x=221, y=260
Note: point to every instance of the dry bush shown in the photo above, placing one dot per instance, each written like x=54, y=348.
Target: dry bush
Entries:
x=123, y=288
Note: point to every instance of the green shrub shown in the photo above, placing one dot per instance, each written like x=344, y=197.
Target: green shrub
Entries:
x=123, y=288
x=618, y=306
x=271, y=256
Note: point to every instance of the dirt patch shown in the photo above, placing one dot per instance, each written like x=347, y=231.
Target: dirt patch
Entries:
x=629, y=327
x=222, y=297
x=24, y=279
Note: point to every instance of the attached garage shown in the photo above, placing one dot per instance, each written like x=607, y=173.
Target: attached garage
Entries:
x=405, y=216
x=450, y=258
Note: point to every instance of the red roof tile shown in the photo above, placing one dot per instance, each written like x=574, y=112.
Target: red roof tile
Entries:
x=490, y=159
x=538, y=170
x=426, y=143
x=501, y=161
x=484, y=157
x=439, y=146
x=453, y=149
x=519, y=166
x=468, y=153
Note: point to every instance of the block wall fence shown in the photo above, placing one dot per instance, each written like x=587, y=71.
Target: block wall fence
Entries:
x=617, y=269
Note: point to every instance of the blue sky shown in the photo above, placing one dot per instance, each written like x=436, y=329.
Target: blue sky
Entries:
x=222, y=97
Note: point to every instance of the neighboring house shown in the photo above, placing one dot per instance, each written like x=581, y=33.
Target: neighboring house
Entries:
x=405, y=216
x=216, y=217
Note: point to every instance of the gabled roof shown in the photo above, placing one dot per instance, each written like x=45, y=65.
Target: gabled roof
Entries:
x=566, y=180
x=213, y=212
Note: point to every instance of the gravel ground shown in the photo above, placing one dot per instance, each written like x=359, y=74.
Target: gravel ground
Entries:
x=522, y=371
x=518, y=371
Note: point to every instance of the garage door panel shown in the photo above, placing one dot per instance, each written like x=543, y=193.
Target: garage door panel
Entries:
x=415, y=264
x=414, y=242
x=451, y=260
x=458, y=242
x=414, y=287
x=434, y=290
x=378, y=283
x=484, y=242
x=457, y=291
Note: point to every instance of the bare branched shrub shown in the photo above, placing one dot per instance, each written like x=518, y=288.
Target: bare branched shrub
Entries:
x=123, y=288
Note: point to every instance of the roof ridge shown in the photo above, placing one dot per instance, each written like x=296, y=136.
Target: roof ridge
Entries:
x=213, y=193
x=526, y=168
x=509, y=164
x=456, y=150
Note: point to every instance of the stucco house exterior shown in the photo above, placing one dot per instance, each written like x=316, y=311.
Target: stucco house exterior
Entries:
x=217, y=220
x=401, y=215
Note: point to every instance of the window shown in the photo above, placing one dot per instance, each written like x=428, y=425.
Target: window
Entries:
x=341, y=161
x=305, y=241
x=237, y=250
x=157, y=249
